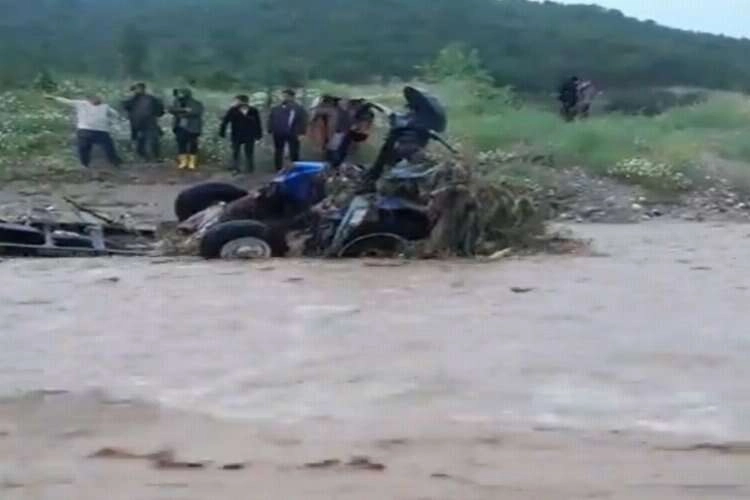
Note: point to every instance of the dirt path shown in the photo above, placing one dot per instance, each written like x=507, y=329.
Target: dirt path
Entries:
x=488, y=372
x=145, y=193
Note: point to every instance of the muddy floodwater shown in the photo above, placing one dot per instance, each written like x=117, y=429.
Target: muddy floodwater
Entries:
x=650, y=334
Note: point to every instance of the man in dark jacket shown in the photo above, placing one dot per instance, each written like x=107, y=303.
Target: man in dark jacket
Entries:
x=187, y=127
x=568, y=97
x=144, y=111
x=246, y=126
x=287, y=122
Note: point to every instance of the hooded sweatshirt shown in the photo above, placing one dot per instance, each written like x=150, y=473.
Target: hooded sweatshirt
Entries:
x=188, y=114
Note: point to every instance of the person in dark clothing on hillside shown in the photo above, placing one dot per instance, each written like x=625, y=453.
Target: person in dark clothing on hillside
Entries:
x=247, y=128
x=187, y=127
x=568, y=97
x=287, y=122
x=144, y=111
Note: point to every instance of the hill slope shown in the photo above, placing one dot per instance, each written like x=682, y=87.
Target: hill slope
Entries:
x=526, y=44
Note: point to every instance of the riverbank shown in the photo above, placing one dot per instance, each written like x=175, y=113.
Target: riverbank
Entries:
x=48, y=442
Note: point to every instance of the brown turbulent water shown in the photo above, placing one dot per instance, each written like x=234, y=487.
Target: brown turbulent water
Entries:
x=652, y=335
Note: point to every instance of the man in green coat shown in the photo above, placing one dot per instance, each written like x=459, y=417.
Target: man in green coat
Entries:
x=187, y=127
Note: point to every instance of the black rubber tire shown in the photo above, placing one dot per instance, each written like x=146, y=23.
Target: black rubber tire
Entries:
x=20, y=235
x=376, y=244
x=197, y=198
x=216, y=237
x=409, y=225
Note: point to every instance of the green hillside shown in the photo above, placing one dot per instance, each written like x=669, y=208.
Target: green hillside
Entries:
x=526, y=44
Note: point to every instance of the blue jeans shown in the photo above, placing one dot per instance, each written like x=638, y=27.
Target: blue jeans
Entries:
x=86, y=141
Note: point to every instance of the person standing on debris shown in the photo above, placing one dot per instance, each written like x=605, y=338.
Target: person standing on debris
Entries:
x=93, y=125
x=245, y=122
x=287, y=122
x=144, y=111
x=187, y=127
x=568, y=97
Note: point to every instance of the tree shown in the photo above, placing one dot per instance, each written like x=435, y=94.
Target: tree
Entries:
x=291, y=72
x=45, y=82
x=134, y=51
x=529, y=45
x=457, y=61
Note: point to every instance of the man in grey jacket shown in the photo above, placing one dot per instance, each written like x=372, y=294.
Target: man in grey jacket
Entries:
x=287, y=122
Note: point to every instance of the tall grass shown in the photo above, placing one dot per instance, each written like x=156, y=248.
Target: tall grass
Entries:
x=37, y=132
x=679, y=140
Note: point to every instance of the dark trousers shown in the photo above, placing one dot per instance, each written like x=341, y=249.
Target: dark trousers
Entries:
x=187, y=142
x=86, y=141
x=568, y=110
x=147, y=141
x=341, y=154
x=249, y=147
x=280, y=143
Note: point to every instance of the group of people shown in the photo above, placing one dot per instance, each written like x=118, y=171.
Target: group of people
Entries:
x=342, y=122
x=339, y=124
x=94, y=125
x=576, y=96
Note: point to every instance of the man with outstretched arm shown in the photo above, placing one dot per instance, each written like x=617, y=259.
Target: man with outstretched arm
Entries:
x=93, y=124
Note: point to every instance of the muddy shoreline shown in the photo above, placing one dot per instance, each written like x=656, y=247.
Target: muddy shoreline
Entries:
x=147, y=193
x=47, y=445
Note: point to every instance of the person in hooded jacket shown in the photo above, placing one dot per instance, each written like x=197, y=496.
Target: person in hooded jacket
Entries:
x=568, y=96
x=246, y=129
x=187, y=127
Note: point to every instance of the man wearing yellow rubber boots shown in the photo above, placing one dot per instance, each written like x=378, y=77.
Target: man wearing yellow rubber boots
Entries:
x=187, y=127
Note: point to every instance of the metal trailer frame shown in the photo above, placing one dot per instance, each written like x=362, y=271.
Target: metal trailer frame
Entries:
x=95, y=232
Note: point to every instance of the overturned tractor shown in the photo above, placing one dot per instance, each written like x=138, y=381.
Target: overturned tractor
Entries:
x=392, y=208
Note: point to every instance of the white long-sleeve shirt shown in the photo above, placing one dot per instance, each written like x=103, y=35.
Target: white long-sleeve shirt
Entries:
x=90, y=116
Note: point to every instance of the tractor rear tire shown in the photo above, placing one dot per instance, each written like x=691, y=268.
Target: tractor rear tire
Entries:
x=198, y=198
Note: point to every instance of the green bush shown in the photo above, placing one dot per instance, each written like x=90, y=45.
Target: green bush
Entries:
x=649, y=102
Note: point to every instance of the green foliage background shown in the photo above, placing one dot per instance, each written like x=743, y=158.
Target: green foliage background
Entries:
x=525, y=44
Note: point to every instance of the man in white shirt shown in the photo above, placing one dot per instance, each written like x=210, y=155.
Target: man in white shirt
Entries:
x=93, y=127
